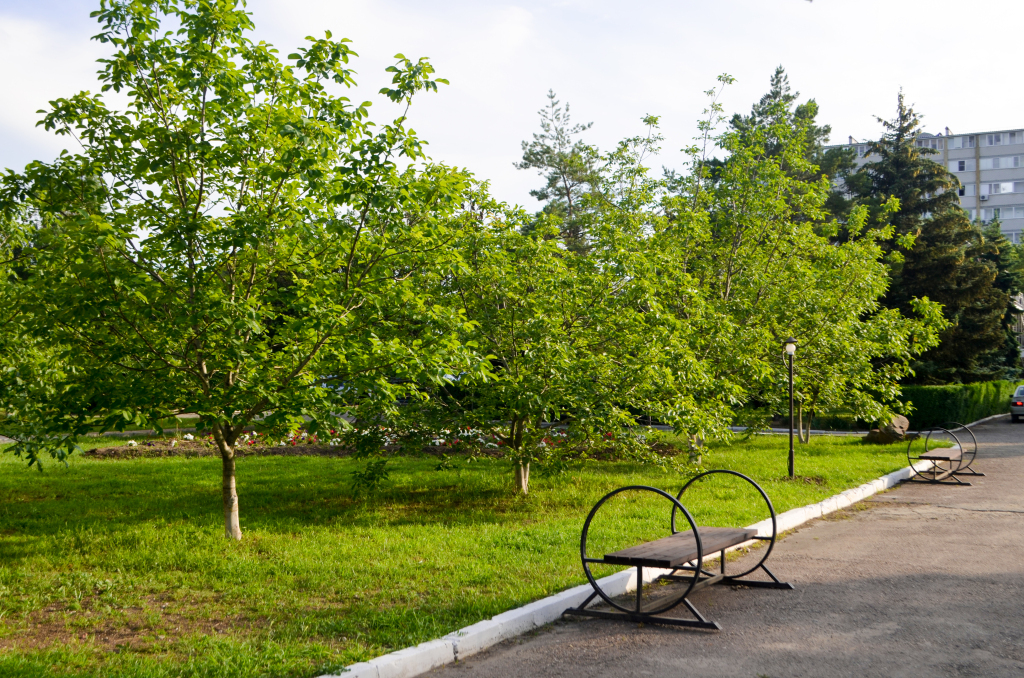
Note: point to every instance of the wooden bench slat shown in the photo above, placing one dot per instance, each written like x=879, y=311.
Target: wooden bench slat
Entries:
x=680, y=548
x=950, y=454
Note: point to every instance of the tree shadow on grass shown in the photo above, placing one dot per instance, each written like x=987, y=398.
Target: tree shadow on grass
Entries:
x=286, y=494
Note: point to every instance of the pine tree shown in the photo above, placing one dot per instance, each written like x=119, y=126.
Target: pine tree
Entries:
x=949, y=260
x=568, y=167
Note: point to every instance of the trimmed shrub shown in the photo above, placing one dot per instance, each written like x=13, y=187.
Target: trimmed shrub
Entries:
x=961, y=403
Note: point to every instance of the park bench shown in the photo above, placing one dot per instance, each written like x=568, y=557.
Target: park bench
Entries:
x=947, y=463
x=682, y=555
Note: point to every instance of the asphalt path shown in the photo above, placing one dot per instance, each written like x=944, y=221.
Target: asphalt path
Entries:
x=923, y=580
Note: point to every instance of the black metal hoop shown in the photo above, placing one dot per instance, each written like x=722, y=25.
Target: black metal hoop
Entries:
x=934, y=466
x=586, y=560
x=764, y=495
x=952, y=426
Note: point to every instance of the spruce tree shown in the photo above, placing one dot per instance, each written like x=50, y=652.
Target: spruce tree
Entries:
x=1009, y=262
x=949, y=260
x=780, y=105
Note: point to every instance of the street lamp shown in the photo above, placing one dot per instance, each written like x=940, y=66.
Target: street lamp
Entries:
x=789, y=345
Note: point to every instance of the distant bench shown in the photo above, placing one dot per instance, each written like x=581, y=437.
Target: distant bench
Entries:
x=682, y=551
x=947, y=463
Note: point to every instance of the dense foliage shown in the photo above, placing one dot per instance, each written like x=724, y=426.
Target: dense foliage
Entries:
x=950, y=260
x=241, y=243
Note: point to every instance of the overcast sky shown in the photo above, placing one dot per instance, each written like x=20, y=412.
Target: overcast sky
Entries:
x=614, y=62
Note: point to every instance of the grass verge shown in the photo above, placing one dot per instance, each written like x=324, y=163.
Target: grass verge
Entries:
x=119, y=568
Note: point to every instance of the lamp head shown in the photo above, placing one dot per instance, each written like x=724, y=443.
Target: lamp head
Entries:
x=790, y=345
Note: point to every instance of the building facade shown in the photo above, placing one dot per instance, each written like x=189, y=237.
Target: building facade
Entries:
x=990, y=167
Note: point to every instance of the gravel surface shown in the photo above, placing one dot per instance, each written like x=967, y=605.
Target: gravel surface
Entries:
x=923, y=580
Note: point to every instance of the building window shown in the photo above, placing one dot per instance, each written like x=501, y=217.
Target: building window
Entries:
x=961, y=166
x=1000, y=187
x=931, y=142
x=967, y=190
x=961, y=142
x=995, y=139
x=1004, y=162
x=1001, y=213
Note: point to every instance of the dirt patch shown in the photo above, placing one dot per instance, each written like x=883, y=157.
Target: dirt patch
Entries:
x=202, y=448
x=135, y=629
x=806, y=480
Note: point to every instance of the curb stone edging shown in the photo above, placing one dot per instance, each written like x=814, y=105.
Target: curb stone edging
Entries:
x=412, y=661
x=982, y=421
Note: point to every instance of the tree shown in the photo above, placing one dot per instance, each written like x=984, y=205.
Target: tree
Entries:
x=568, y=167
x=779, y=106
x=750, y=236
x=29, y=371
x=576, y=338
x=934, y=252
x=1008, y=260
x=239, y=242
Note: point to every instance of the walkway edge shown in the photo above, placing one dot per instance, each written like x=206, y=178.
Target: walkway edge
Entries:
x=412, y=661
x=982, y=421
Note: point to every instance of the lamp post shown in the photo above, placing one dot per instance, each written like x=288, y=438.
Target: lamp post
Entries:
x=790, y=347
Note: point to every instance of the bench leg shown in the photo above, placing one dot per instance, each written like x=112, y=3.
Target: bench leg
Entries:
x=968, y=471
x=700, y=623
x=758, y=584
x=939, y=476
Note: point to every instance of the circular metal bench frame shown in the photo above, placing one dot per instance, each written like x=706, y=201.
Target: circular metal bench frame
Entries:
x=936, y=474
x=696, y=576
x=771, y=510
x=967, y=457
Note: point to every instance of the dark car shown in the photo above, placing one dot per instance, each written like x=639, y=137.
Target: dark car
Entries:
x=1017, y=404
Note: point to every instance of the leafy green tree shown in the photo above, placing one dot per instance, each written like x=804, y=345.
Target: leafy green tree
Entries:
x=779, y=106
x=239, y=242
x=30, y=369
x=935, y=252
x=753, y=240
x=576, y=338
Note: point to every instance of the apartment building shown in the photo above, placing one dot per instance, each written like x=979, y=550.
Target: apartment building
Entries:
x=990, y=166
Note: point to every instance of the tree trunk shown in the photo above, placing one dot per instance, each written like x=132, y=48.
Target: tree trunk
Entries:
x=232, y=530
x=802, y=432
x=696, y=446
x=226, y=444
x=522, y=467
x=523, y=478
x=800, y=423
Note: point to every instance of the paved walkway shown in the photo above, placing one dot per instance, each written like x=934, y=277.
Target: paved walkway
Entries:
x=924, y=581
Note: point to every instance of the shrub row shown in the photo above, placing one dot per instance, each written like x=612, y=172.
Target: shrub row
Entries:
x=962, y=403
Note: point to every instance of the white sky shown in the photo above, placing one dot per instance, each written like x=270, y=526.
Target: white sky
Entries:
x=613, y=62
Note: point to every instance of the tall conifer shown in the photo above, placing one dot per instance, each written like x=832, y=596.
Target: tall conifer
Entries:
x=948, y=261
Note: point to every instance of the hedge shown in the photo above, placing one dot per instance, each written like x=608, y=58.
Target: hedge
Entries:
x=961, y=403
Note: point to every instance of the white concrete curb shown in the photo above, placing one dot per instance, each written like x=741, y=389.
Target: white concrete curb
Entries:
x=413, y=661
x=982, y=421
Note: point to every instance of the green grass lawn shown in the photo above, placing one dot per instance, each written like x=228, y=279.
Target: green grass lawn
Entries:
x=119, y=568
